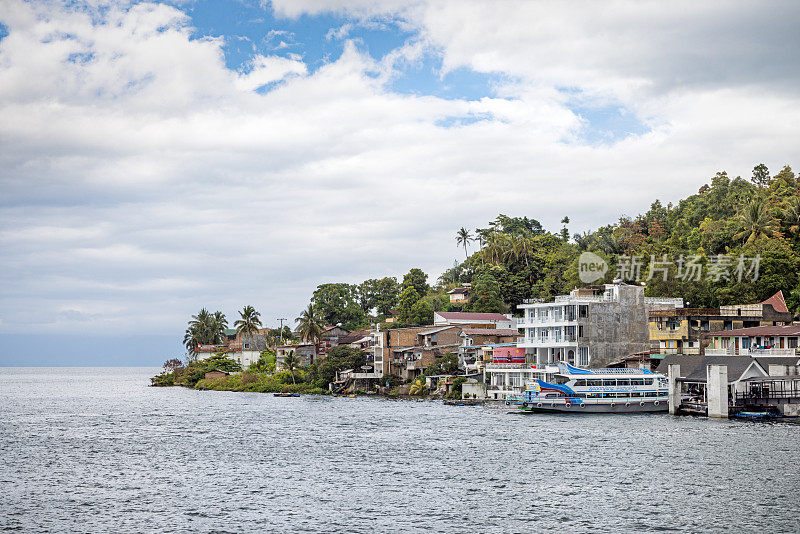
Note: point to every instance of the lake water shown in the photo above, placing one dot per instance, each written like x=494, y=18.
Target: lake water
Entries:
x=91, y=450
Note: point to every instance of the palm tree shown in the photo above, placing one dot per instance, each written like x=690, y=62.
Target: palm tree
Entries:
x=756, y=222
x=463, y=238
x=291, y=362
x=249, y=321
x=309, y=325
x=204, y=329
x=791, y=214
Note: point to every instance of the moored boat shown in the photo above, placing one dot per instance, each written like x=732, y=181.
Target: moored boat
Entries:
x=573, y=389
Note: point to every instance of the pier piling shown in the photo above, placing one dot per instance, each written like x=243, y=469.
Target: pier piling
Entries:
x=717, y=390
x=673, y=373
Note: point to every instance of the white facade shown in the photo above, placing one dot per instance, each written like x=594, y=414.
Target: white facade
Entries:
x=246, y=358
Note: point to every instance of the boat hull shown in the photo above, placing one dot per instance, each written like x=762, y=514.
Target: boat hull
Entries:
x=633, y=407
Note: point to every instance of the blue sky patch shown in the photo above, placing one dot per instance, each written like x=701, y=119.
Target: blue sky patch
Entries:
x=604, y=122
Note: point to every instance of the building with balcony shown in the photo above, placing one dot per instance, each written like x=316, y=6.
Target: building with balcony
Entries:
x=681, y=331
x=590, y=327
x=406, y=352
x=755, y=341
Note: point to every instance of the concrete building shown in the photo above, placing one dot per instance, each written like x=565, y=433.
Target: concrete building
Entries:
x=681, y=331
x=305, y=352
x=476, y=341
x=475, y=320
x=591, y=326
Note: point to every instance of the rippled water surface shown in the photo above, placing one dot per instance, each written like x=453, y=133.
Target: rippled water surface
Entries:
x=94, y=450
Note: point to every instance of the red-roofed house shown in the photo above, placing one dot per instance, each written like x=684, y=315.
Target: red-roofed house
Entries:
x=755, y=341
x=475, y=320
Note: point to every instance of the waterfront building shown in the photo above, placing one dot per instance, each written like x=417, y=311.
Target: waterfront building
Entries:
x=755, y=341
x=681, y=330
x=477, y=343
x=306, y=353
x=749, y=380
x=590, y=327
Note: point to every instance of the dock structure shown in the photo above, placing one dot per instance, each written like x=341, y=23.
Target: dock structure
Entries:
x=717, y=390
x=674, y=374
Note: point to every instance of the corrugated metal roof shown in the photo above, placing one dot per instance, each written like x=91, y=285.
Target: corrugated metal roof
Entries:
x=491, y=331
x=471, y=316
x=788, y=330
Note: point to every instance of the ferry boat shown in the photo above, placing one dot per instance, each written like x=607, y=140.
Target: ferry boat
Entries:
x=573, y=389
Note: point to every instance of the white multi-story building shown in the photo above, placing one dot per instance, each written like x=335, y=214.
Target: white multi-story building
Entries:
x=590, y=327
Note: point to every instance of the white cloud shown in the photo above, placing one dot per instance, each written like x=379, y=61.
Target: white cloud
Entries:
x=142, y=179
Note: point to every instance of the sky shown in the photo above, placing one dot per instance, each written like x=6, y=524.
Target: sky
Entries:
x=161, y=157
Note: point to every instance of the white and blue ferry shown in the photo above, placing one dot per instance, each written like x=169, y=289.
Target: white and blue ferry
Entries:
x=573, y=389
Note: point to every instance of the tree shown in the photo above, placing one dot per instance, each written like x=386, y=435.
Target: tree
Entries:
x=486, y=294
x=388, y=291
x=309, y=326
x=291, y=362
x=172, y=364
x=204, y=329
x=564, y=230
x=760, y=175
x=334, y=302
x=418, y=280
x=756, y=222
x=249, y=321
x=408, y=298
x=421, y=313
x=338, y=359
x=791, y=214
x=463, y=238
x=367, y=294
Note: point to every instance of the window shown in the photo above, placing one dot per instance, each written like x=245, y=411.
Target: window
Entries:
x=792, y=343
x=745, y=342
x=583, y=311
x=580, y=383
x=609, y=382
x=583, y=356
x=724, y=342
x=623, y=382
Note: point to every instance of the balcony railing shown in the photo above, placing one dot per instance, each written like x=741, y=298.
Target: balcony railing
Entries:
x=732, y=351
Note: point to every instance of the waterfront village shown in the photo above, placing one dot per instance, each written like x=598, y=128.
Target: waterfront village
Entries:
x=713, y=311
x=749, y=350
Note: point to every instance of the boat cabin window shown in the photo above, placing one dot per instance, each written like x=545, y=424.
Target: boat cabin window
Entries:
x=580, y=382
x=637, y=381
x=623, y=382
x=609, y=382
x=651, y=394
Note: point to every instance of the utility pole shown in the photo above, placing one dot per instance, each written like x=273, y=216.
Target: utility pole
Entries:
x=281, y=320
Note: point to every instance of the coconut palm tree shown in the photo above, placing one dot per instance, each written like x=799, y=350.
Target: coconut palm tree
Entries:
x=249, y=321
x=791, y=214
x=309, y=325
x=756, y=222
x=204, y=328
x=291, y=362
x=463, y=237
